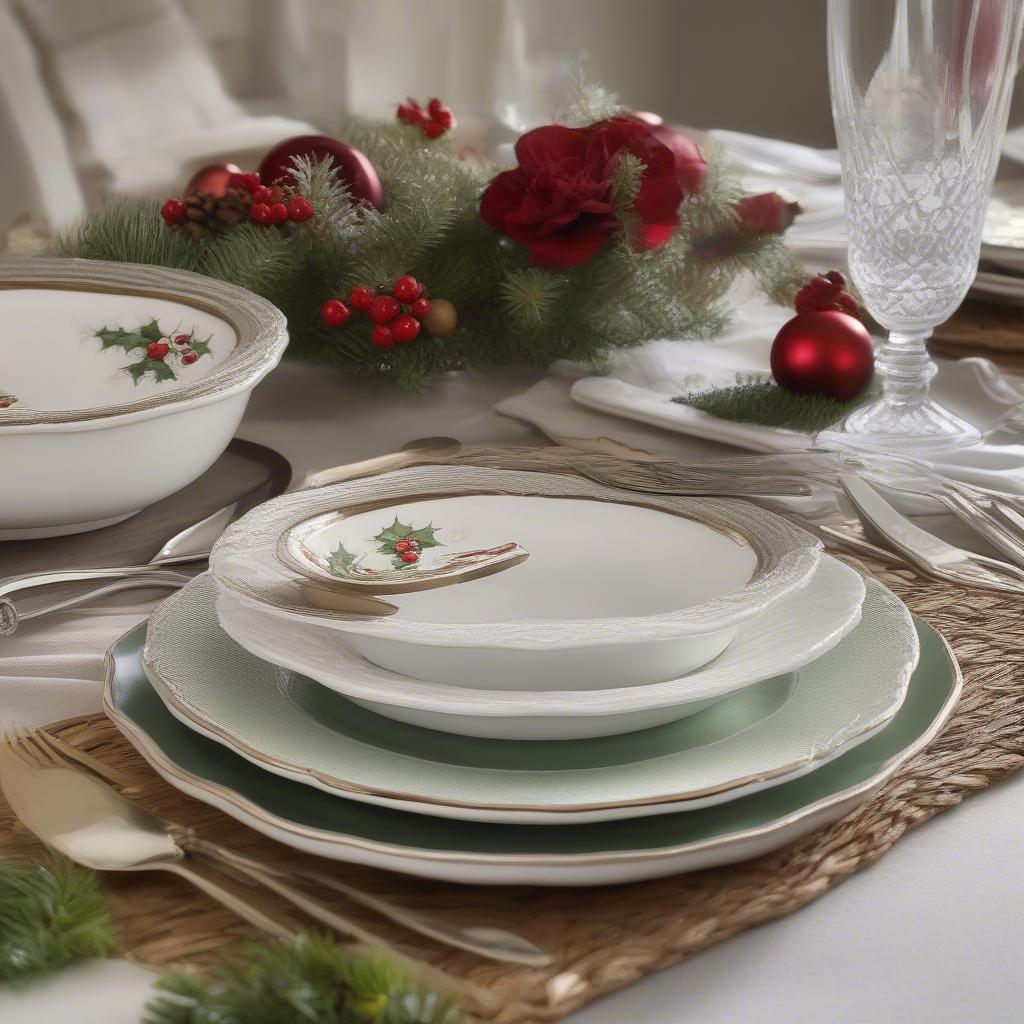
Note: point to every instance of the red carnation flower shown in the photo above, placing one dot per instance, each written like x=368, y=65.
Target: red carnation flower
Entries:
x=558, y=200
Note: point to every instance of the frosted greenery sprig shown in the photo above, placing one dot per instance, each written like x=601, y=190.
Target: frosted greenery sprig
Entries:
x=51, y=913
x=312, y=981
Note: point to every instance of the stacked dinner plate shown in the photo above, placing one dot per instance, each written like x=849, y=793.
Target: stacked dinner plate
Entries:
x=541, y=679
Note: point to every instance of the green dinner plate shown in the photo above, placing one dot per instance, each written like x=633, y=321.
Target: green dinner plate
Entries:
x=333, y=826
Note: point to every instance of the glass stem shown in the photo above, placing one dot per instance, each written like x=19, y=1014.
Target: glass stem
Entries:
x=906, y=369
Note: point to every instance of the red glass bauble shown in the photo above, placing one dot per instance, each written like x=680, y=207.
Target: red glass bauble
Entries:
x=212, y=179
x=350, y=166
x=691, y=167
x=826, y=354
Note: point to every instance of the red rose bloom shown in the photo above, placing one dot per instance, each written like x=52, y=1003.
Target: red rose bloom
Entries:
x=766, y=214
x=558, y=200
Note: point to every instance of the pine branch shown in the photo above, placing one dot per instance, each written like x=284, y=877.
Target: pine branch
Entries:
x=766, y=404
x=314, y=981
x=51, y=913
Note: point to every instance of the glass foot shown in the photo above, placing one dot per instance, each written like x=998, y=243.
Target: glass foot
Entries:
x=884, y=427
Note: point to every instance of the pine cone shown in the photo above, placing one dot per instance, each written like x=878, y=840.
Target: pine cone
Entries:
x=205, y=213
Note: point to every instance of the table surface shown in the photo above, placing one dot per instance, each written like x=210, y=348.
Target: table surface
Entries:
x=932, y=934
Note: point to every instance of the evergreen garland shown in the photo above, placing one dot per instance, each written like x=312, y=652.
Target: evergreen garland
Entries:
x=510, y=312
x=51, y=913
x=764, y=403
x=313, y=981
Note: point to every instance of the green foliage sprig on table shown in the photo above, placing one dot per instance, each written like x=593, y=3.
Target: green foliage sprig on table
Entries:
x=312, y=981
x=51, y=913
x=764, y=403
x=509, y=311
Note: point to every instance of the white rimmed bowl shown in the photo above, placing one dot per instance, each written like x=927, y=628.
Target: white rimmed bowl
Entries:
x=92, y=430
x=791, y=634
x=619, y=589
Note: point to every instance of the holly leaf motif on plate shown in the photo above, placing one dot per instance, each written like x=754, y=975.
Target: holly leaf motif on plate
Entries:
x=160, y=370
x=341, y=561
x=111, y=337
x=201, y=348
x=151, y=331
x=425, y=537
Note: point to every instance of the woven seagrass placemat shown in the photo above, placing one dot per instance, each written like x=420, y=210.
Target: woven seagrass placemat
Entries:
x=604, y=938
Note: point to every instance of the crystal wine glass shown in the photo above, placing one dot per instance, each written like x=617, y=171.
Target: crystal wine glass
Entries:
x=920, y=96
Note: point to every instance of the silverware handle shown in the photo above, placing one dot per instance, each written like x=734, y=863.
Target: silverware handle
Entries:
x=493, y=943
x=380, y=464
x=226, y=898
x=132, y=576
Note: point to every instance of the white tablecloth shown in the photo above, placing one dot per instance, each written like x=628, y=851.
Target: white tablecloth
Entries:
x=930, y=935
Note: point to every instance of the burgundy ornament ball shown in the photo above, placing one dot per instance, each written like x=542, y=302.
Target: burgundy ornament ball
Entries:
x=823, y=353
x=350, y=165
x=212, y=179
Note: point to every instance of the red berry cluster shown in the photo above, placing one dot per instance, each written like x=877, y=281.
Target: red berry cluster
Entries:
x=408, y=550
x=433, y=122
x=826, y=292
x=398, y=315
x=158, y=350
x=270, y=205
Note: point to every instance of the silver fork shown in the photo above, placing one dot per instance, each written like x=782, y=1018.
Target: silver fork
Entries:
x=54, y=790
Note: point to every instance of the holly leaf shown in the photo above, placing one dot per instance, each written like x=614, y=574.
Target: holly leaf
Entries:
x=402, y=531
x=341, y=561
x=151, y=331
x=117, y=337
x=160, y=370
x=201, y=348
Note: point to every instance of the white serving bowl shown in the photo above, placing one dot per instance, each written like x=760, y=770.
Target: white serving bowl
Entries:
x=92, y=430
x=619, y=588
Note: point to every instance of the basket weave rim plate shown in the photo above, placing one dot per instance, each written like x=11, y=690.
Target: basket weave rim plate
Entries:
x=245, y=561
x=222, y=690
x=789, y=635
x=298, y=815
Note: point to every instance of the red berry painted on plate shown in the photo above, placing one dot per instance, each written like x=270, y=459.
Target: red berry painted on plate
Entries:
x=260, y=214
x=300, y=209
x=406, y=289
x=409, y=557
x=334, y=313
x=420, y=308
x=361, y=297
x=181, y=339
x=405, y=328
x=189, y=357
x=173, y=211
x=157, y=350
x=278, y=213
x=403, y=545
x=382, y=337
x=384, y=309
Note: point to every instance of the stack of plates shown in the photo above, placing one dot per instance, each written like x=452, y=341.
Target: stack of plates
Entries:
x=664, y=684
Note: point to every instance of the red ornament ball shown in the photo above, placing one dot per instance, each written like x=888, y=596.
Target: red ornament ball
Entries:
x=300, y=209
x=214, y=179
x=407, y=288
x=334, y=313
x=189, y=357
x=260, y=214
x=382, y=336
x=420, y=308
x=350, y=165
x=362, y=297
x=409, y=557
x=384, y=309
x=156, y=350
x=823, y=353
x=173, y=211
x=405, y=328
